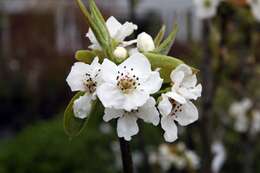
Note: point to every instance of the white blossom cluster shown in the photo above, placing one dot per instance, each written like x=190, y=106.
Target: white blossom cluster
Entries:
x=126, y=90
x=175, y=156
x=246, y=118
x=255, y=8
x=205, y=9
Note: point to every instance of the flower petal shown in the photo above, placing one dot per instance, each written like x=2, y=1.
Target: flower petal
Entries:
x=109, y=71
x=153, y=83
x=165, y=106
x=134, y=100
x=189, y=81
x=110, y=95
x=127, y=126
x=177, y=97
x=140, y=65
x=124, y=31
x=113, y=25
x=148, y=112
x=77, y=75
x=82, y=106
x=111, y=113
x=188, y=115
x=168, y=125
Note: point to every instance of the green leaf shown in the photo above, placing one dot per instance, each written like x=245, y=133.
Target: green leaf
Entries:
x=73, y=126
x=166, y=45
x=159, y=36
x=88, y=56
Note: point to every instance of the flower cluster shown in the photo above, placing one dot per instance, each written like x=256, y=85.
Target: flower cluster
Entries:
x=246, y=118
x=206, y=8
x=175, y=155
x=128, y=85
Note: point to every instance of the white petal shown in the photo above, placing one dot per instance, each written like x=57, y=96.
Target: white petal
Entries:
x=111, y=113
x=110, y=96
x=176, y=74
x=196, y=91
x=165, y=106
x=82, y=106
x=109, y=71
x=94, y=43
x=113, y=25
x=127, y=126
x=148, y=112
x=140, y=64
x=168, y=125
x=135, y=99
x=177, y=77
x=188, y=115
x=124, y=31
x=77, y=75
x=177, y=97
x=128, y=43
x=189, y=81
x=153, y=83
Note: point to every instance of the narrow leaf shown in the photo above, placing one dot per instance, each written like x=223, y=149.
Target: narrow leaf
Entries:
x=159, y=36
x=166, y=64
x=166, y=45
x=73, y=126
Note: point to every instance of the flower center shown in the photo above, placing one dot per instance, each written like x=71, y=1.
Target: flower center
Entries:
x=176, y=107
x=126, y=81
x=207, y=3
x=90, y=84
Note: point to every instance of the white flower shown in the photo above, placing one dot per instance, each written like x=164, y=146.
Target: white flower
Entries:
x=184, y=85
x=255, y=125
x=173, y=111
x=145, y=42
x=120, y=52
x=193, y=159
x=116, y=30
x=206, y=8
x=219, y=158
x=126, y=124
x=239, y=112
x=255, y=8
x=128, y=85
x=86, y=78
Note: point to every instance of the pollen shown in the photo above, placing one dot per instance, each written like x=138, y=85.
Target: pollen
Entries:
x=90, y=84
x=176, y=107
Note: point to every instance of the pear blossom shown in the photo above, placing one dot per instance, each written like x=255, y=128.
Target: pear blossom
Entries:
x=126, y=124
x=255, y=8
x=255, y=122
x=117, y=31
x=86, y=78
x=219, y=156
x=176, y=155
x=120, y=52
x=184, y=85
x=205, y=8
x=238, y=111
x=128, y=85
x=145, y=42
x=173, y=111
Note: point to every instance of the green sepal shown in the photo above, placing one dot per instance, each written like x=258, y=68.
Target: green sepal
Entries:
x=166, y=45
x=165, y=63
x=88, y=56
x=159, y=37
x=74, y=126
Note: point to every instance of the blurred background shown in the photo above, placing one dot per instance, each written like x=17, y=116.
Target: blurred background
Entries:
x=38, y=40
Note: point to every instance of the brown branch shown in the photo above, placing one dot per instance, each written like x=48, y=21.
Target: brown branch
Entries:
x=126, y=156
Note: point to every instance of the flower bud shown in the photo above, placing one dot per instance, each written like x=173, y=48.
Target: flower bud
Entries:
x=120, y=52
x=145, y=42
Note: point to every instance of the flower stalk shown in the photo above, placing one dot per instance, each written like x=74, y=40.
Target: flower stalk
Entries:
x=126, y=155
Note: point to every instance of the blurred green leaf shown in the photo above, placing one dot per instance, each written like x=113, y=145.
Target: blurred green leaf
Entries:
x=73, y=126
x=87, y=56
x=165, y=63
x=166, y=45
x=159, y=36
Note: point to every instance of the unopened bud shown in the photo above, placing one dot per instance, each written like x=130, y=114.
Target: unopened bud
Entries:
x=120, y=52
x=145, y=42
